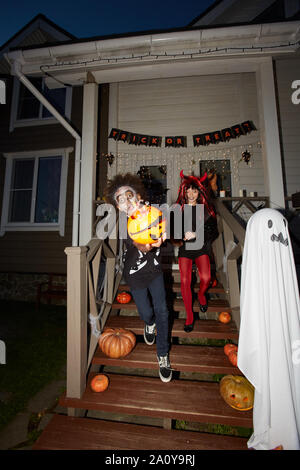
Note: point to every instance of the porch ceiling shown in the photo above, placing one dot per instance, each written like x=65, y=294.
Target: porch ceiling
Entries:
x=192, y=52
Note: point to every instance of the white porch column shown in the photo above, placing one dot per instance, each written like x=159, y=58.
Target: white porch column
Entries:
x=113, y=122
x=88, y=164
x=271, y=153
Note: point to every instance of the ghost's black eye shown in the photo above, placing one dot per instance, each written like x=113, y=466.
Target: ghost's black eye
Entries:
x=284, y=221
x=270, y=223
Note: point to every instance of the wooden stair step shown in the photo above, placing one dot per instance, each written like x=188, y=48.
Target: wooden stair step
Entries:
x=215, y=305
x=183, y=358
x=70, y=433
x=202, y=328
x=175, y=287
x=147, y=396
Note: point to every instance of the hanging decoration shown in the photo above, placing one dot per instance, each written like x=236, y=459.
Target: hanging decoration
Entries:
x=109, y=158
x=145, y=174
x=223, y=135
x=135, y=139
x=175, y=141
x=163, y=169
x=246, y=156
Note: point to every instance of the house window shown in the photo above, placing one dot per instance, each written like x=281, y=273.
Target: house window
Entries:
x=35, y=191
x=223, y=171
x=27, y=110
x=154, y=179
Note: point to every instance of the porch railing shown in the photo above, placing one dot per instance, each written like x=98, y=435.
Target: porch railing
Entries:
x=228, y=247
x=93, y=276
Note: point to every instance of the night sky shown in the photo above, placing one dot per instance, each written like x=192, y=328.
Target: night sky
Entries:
x=97, y=18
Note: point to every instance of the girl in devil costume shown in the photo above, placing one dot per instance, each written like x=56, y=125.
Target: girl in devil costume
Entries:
x=193, y=191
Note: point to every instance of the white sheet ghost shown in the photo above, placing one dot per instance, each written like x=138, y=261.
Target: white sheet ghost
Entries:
x=269, y=338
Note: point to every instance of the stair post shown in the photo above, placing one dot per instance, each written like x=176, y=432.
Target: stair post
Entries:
x=232, y=277
x=76, y=323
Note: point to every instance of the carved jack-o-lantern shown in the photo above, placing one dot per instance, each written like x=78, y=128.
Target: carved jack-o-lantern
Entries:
x=123, y=297
x=146, y=225
x=237, y=391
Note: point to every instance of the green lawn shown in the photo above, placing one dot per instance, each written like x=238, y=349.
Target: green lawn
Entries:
x=35, y=352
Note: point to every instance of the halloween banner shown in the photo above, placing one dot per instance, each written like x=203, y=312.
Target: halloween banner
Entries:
x=175, y=141
x=135, y=139
x=223, y=135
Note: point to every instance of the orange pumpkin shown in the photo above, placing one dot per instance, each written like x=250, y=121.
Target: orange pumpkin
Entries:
x=123, y=297
x=237, y=391
x=229, y=347
x=214, y=283
x=116, y=342
x=146, y=225
x=224, y=317
x=233, y=357
x=99, y=383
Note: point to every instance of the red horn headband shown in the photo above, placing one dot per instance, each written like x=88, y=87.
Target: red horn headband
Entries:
x=196, y=179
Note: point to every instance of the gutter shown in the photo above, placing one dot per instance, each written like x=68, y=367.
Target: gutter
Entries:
x=16, y=69
x=170, y=42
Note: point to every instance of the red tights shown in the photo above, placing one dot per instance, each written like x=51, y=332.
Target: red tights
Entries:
x=185, y=267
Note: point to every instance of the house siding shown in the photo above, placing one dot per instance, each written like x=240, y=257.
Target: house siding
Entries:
x=37, y=252
x=289, y=114
x=184, y=107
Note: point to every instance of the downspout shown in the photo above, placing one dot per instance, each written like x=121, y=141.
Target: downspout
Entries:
x=76, y=197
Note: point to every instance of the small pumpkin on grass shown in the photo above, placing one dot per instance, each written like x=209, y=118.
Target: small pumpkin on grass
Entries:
x=123, y=297
x=237, y=392
x=99, y=383
x=117, y=342
x=224, y=317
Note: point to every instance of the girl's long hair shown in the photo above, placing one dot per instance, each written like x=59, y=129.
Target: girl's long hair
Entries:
x=202, y=185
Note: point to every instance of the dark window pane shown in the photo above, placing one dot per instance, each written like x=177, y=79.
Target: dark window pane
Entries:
x=154, y=179
x=48, y=190
x=57, y=97
x=20, y=205
x=223, y=171
x=22, y=174
x=29, y=106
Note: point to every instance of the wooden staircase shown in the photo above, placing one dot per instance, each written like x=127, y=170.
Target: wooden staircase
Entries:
x=135, y=390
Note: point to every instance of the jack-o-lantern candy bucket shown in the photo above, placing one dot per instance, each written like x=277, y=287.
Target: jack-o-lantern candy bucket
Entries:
x=146, y=225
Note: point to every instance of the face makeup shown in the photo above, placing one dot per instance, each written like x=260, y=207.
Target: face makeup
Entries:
x=126, y=199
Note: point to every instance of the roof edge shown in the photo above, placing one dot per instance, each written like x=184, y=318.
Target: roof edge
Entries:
x=39, y=16
x=147, y=32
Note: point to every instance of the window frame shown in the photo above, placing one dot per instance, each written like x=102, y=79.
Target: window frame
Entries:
x=7, y=226
x=15, y=122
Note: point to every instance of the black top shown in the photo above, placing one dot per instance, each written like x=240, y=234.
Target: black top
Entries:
x=187, y=250
x=140, y=268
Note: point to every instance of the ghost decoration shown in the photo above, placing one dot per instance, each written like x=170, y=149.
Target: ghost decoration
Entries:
x=269, y=338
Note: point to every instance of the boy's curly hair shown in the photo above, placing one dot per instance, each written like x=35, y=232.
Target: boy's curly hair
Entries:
x=123, y=180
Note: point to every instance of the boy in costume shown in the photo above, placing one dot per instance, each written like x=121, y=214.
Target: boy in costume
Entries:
x=142, y=271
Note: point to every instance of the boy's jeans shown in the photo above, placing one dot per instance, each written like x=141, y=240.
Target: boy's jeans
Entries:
x=158, y=314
